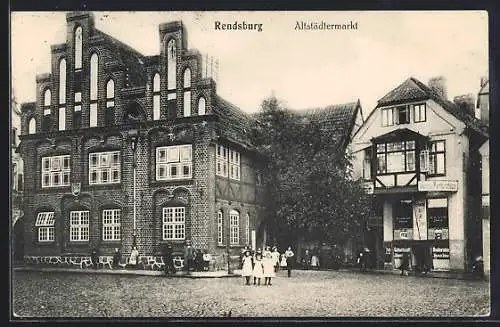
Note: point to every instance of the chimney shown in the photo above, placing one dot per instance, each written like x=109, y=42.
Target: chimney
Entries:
x=466, y=103
x=438, y=84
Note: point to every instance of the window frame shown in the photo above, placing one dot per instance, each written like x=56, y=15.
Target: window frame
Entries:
x=102, y=166
x=82, y=227
x=433, y=155
x=53, y=171
x=386, y=113
x=156, y=96
x=111, y=225
x=405, y=150
x=234, y=227
x=78, y=53
x=220, y=228
x=178, y=227
x=202, y=110
x=45, y=223
x=398, y=110
x=419, y=106
x=227, y=162
x=166, y=163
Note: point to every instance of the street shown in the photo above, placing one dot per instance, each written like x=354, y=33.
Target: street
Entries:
x=305, y=294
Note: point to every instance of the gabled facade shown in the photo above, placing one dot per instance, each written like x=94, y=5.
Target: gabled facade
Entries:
x=122, y=149
x=418, y=154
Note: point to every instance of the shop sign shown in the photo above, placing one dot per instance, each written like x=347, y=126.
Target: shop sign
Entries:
x=438, y=186
x=440, y=253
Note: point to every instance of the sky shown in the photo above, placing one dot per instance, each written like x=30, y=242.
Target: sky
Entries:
x=303, y=68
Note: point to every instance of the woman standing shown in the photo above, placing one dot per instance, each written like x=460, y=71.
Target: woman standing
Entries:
x=289, y=260
x=134, y=257
x=247, y=266
x=268, y=264
x=258, y=268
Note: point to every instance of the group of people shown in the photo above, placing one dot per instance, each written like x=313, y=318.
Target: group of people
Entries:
x=265, y=264
x=310, y=260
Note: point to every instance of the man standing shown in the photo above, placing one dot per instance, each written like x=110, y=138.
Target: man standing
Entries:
x=167, y=260
x=289, y=260
x=117, y=256
x=188, y=256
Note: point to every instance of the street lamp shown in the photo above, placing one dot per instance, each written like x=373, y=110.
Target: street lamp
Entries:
x=133, y=136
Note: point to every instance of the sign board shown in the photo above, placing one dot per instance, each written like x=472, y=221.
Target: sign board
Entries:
x=435, y=186
x=419, y=220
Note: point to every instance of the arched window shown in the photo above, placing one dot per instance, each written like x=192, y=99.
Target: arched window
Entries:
x=78, y=48
x=187, y=92
x=62, y=81
x=220, y=228
x=171, y=65
x=94, y=64
x=94, y=69
x=109, y=118
x=156, y=97
x=46, y=98
x=171, y=79
x=234, y=227
x=201, y=106
x=32, y=126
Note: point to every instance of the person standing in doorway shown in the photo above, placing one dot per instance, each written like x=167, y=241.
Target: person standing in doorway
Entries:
x=289, y=260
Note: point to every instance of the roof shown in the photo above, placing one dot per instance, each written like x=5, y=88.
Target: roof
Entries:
x=399, y=134
x=129, y=57
x=339, y=117
x=414, y=90
x=233, y=124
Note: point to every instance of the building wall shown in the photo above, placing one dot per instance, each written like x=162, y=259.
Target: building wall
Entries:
x=485, y=169
x=198, y=194
x=439, y=125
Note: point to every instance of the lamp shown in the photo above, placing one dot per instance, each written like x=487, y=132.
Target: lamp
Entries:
x=133, y=137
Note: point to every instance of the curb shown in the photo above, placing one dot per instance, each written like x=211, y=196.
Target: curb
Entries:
x=126, y=272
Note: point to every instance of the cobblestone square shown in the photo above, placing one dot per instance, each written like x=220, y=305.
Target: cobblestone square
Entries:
x=305, y=294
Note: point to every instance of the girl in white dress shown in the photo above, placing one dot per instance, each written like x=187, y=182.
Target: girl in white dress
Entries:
x=268, y=264
x=258, y=268
x=247, y=270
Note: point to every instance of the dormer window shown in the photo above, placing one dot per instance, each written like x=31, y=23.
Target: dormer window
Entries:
x=419, y=113
x=402, y=115
x=387, y=117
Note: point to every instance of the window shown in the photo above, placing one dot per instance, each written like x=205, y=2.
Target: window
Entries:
x=62, y=118
x=367, y=165
x=220, y=228
x=396, y=157
x=419, y=113
x=45, y=223
x=32, y=126
x=78, y=48
x=109, y=117
x=104, y=167
x=79, y=226
x=62, y=81
x=111, y=225
x=402, y=115
x=437, y=213
x=174, y=162
x=94, y=68
x=174, y=225
x=187, y=92
x=234, y=227
x=437, y=158
x=247, y=229
x=403, y=219
x=156, y=97
x=387, y=117
x=202, y=106
x=77, y=114
x=46, y=101
x=55, y=171
x=227, y=162
x=171, y=65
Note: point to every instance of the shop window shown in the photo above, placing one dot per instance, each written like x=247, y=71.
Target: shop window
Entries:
x=437, y=218
x=403, y=219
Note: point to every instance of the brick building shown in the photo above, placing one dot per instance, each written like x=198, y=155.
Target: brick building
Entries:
x=121, y=148
x=419, y=155
x=16, y=183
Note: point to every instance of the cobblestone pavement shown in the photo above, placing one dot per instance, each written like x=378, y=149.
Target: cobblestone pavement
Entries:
x=305, y=294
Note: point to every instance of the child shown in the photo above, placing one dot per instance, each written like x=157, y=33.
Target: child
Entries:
x=315, y=261
x=247, y=266
x=268, y=265
x=258, y=269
